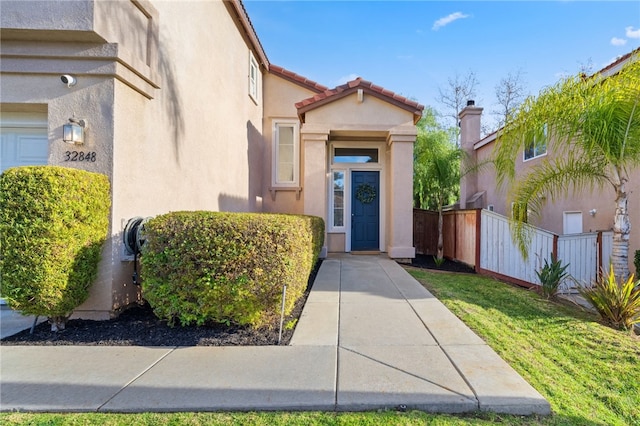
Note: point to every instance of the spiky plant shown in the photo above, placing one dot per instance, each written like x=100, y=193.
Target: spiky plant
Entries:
x=617, y=302
x=551, y=276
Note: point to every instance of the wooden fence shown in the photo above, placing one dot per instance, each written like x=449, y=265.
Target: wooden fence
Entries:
x=482, y=240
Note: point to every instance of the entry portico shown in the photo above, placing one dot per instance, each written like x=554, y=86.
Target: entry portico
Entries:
x=357, y=155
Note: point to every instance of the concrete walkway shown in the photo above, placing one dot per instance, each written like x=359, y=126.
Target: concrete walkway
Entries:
x=370, y=337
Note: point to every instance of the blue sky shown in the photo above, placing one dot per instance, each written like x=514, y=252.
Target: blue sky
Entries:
x=413, y=47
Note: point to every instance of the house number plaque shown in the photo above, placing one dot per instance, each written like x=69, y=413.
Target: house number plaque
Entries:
x=80, y=156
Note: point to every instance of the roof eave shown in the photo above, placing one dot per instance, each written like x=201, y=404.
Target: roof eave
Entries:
x=297, y=79
x=247, y=26
x=304, y=108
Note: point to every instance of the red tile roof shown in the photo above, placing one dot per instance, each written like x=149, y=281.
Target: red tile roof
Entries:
x=615, y=66
x=297, y=79
x=352, y=86
x=243, y=17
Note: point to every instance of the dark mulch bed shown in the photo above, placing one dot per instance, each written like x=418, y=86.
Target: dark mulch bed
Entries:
x=138, y=326
x=427, y=262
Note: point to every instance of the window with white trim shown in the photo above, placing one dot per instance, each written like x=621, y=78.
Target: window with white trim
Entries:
x=337, y=199
x=254, y=80
x=286, y=167
x=536, y=145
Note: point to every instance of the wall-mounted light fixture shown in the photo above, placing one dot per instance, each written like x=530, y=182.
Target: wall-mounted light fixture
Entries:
x=73, y=131
x=592, y=212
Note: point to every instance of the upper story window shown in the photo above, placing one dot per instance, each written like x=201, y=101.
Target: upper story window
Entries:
x=254, y=77
x=537, y=144
x=286, y=164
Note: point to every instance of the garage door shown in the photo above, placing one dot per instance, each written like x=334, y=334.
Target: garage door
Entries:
x=24, y=140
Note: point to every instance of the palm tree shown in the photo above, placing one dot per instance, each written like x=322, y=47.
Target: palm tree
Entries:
x=592, y=126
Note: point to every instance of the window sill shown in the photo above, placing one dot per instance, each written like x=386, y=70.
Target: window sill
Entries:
x=274, y=189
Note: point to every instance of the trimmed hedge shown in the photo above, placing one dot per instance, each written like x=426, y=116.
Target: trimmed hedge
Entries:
x=200, y=266
x=53, y=223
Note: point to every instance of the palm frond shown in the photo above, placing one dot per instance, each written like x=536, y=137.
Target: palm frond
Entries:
x=551, y=179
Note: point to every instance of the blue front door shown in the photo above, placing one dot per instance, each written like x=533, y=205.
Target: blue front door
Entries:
x=365, y=211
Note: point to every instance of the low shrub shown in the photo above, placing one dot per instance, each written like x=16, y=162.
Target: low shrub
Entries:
x=551, y=276
x=636, y=262
x=617, y=303
x=200, y=267
x=53, y=223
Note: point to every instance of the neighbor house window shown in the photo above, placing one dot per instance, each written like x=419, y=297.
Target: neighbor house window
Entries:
x=537, y=144
x=253, y=77
x=338, y=199
x=286, y=158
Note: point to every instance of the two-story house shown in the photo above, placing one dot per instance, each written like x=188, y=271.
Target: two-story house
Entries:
x=587, y=211
x=180, y=107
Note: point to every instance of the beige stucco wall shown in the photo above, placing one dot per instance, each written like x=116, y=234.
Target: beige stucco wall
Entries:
x=336, y=242
x=280, y=97
x=171, y=122
x=349, y=114
x=198, y=144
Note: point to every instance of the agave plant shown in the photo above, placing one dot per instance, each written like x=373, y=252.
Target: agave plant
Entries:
x=618, y=303
x=551, y=276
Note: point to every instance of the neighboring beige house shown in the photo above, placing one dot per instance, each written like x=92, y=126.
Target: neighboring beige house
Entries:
x=183, y=111
x=584, y=212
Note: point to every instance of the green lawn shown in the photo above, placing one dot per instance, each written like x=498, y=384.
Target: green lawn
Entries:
x=589, y=373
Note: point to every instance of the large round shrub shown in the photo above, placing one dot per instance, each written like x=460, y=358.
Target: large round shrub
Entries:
x=200, y=267
x=53, y=222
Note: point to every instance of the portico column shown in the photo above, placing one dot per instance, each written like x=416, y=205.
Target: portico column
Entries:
x=400, y=195
x=314, y=158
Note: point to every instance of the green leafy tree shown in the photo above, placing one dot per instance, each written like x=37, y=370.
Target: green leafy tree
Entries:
x=431, y=136
x=592, y=127
x=436, y=169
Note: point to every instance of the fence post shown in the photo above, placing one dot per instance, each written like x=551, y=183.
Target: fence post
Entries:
x=599, y=254
x=478, y=237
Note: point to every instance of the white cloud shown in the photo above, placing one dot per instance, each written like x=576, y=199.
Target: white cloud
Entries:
x=347, y=78
x=631, y=33
x=447, y=20
x=618, y=41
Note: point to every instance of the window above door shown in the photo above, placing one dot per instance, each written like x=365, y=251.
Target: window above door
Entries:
x=355, y=155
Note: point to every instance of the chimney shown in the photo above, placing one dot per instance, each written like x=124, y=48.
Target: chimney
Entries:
x=470, y=124
x=469, y=134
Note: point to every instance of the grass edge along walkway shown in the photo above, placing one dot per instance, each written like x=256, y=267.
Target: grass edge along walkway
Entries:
x=589, y=373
